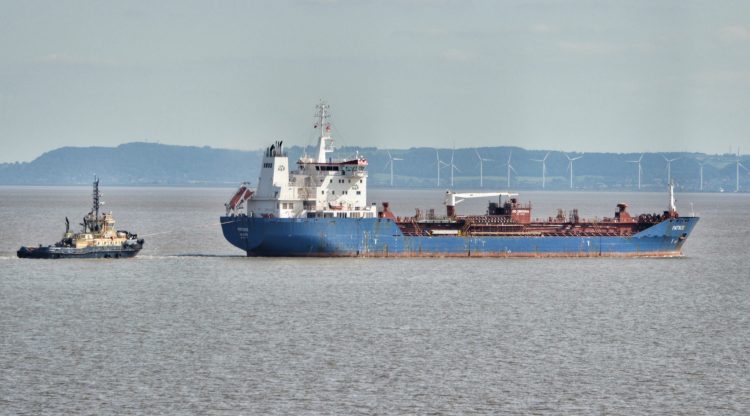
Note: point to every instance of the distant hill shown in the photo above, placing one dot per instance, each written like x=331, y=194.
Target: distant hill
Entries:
x=134, y=164
x=139, y=164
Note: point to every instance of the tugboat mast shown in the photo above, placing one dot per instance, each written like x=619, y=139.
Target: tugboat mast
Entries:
x=96, y=197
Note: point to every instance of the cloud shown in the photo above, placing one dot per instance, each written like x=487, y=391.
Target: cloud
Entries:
x=67, y=59
x=542, y=28
x=441, y=32
x=586, y=47
x=456, y=55
x=318, y=2
x=607, y=48
x=734, y=33
x=722, y=77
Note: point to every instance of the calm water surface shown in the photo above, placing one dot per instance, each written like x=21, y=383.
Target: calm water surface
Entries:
x=192, y=326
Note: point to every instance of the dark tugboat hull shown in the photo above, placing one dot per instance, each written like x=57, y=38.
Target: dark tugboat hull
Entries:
x=53, y=252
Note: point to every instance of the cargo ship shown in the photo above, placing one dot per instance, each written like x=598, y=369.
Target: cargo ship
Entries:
x=320, y=209
x=97, y=239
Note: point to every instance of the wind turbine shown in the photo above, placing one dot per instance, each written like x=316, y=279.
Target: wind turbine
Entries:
x=737, y=186
x=510, y=168
x=544, y=167
x=453, y=167
x=701, y=163
x=669, y=167
x=440, y=164
x=570, y=167
x=391, y=159
x=481, y=167
x=639, y=169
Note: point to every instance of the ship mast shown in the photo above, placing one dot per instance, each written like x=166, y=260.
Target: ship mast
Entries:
x=325, y=142
x=672, y=206
x=96, y=196
x=93, y=224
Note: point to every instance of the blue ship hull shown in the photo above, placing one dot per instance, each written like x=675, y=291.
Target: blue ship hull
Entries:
x=381, y=237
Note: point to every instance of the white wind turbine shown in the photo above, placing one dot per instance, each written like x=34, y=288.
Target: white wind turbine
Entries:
x=738, y=164
x=390, y=162
x=440, y=164
x=701, y=163
x=510, y=168
x=669, y=167
x=544, y=168
x=453, y=167
x=639, y=169
x=481, y=167
x=570, y=167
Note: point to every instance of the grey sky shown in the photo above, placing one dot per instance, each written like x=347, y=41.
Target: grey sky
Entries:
x=586, y=75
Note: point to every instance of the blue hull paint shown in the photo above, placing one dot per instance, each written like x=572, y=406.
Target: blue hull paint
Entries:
x=381, y=237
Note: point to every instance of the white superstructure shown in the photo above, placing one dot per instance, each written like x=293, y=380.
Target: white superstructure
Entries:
x=319, y=187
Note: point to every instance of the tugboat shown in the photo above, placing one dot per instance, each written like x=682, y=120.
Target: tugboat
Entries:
x=98, y=238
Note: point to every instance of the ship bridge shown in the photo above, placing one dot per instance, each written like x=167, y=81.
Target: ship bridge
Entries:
x=319, y=187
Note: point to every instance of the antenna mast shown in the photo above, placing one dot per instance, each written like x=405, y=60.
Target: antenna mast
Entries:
x=325, y=144
x=672, y=207
x=96, y=196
